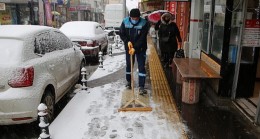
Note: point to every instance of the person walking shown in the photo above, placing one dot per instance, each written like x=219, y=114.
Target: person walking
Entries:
x=133, y=32
x=152, y=33
x=168, y=34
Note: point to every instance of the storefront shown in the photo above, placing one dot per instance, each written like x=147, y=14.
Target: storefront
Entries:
x=19, y=12
x=230, y=33
x=59, y=12
x=151, y=5
x=81, y=12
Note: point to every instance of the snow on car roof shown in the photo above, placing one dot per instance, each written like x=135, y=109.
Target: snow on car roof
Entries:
x=20, y=31
x=79, y=28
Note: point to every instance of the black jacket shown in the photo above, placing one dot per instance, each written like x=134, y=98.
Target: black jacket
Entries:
x=173, y=32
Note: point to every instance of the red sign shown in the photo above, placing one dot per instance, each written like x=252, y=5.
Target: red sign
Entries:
x=6, y=18
x=173, y=7
x=252, y=24
x=251, y=36
x=183, y=15
x=181, y=10
x=72, y=8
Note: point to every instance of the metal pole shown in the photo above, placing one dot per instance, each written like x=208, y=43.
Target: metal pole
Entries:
x=239, y=51
x=124, y=8
x=44, y=14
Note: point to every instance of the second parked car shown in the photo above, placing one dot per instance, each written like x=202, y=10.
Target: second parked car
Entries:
x=90, y=35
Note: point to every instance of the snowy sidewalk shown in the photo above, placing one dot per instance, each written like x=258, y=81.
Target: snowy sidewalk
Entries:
x=93, y=114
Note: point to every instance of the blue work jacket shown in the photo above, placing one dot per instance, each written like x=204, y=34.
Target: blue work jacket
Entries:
x=136, y=33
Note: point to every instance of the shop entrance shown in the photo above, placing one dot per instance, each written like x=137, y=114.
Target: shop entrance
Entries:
x=244, y=54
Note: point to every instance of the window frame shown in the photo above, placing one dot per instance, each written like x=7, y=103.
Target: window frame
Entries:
x=40, y=50
x=69, y=43
x=208, y=50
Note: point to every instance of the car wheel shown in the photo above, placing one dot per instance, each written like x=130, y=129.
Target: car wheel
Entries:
x=49, y=101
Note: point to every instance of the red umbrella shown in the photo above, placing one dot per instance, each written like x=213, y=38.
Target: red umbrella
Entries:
x=156, y=15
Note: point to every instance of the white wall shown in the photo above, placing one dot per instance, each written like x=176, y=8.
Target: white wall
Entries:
x=195, y=36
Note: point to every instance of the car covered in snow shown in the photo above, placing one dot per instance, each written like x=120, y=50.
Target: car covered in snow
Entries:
x=90, y=35
x=38, y=64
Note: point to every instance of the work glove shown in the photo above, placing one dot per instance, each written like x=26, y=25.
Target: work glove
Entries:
x=131, y=49
x=130, y=45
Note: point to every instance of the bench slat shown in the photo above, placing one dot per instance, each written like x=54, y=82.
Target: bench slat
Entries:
x=194, y=68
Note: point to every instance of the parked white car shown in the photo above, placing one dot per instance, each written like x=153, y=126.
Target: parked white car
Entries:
x=38, y=64
x=90, y=35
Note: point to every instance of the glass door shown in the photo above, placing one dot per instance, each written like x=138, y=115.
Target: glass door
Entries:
x=218, y=28
x=236, y=30
x=207, y=22
x=244, y=46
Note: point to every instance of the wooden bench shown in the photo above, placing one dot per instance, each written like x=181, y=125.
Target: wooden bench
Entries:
x=192, y=71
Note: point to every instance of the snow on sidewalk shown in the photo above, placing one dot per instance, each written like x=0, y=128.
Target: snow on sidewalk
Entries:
x=110, y=65
x=93, y=114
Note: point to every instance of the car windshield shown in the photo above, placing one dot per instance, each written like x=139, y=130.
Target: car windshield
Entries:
x=10, y=51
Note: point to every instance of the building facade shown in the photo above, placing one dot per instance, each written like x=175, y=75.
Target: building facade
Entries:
x=226, y=34
x=51, y=12
x=87, y=10
x=18, y=12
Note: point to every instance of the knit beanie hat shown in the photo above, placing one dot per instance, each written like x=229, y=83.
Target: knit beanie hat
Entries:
x=135, y=13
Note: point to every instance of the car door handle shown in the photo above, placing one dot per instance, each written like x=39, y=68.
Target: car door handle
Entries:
x=51, y=66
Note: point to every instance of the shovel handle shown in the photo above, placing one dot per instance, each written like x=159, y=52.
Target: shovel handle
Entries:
x=132, y=76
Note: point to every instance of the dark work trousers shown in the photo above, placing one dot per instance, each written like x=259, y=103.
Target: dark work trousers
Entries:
x=167, y=57
x=141, y=57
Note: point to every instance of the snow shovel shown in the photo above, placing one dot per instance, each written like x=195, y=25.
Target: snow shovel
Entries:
x=134, y=101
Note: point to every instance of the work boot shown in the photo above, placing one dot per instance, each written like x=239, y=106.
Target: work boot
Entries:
x=128, y=85
x=142, y=91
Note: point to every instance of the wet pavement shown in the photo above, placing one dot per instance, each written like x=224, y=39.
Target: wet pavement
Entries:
x=204, y=120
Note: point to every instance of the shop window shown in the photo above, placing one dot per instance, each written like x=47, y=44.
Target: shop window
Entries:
x=236, y=24
x=6, y=16
x=206, y=25
x=74, y=16
x=218, y=28
x=213, y=27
